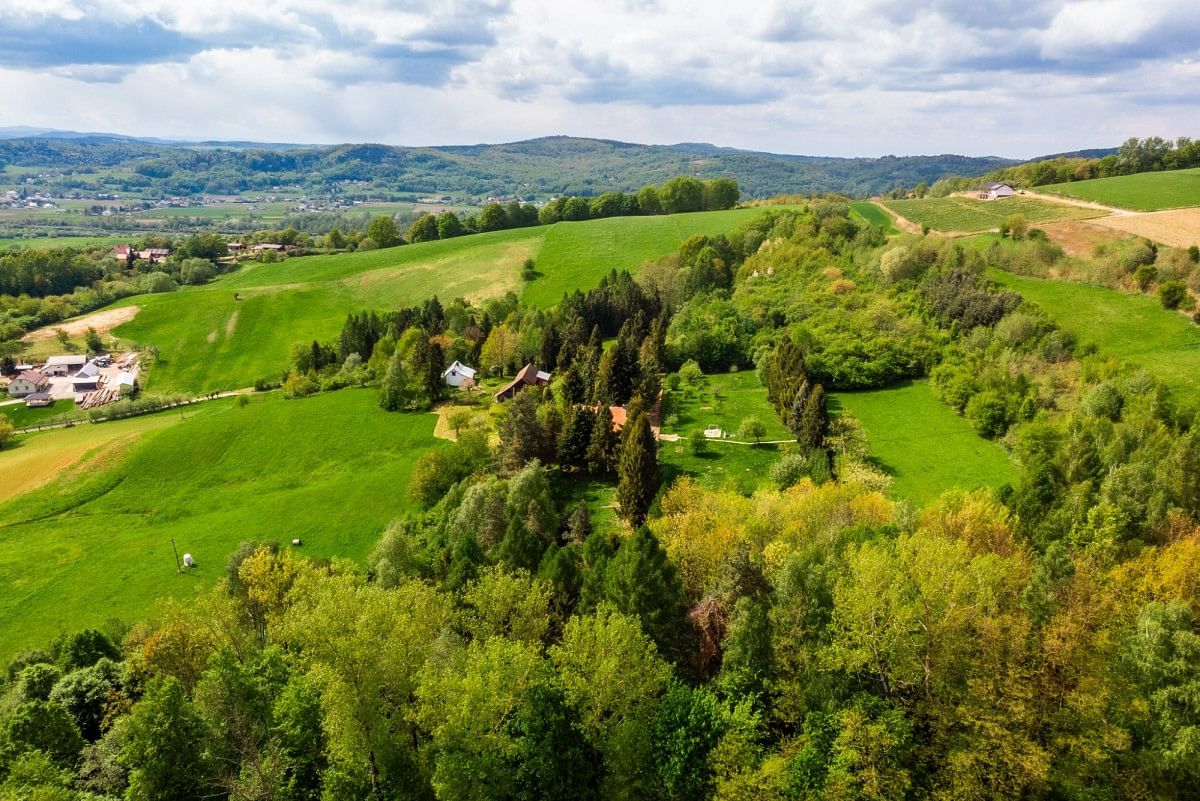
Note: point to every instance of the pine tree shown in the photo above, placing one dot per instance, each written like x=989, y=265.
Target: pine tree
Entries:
x=795, y=412
x=785, y=373
x=572, y=389
x=814, y=422
x=642, y=582
x=637, y=470
x=602, y=449
x=522, y=438
x=575, y=438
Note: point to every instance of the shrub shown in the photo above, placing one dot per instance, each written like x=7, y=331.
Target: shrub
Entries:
x=1144, y=276
x=1172, y=294
x=989, y=414
x=697, y=442
x=789, y=470
x=1103, y=400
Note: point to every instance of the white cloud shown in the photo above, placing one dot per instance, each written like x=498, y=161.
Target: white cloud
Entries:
x=844, y=77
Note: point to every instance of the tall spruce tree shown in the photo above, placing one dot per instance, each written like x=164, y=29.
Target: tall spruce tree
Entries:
x=637, y=471
x=643, y=583
x=395, y=393
x=575, y=438
x=785, y=373
x=602, y=449
x=795, y=412
x=814, y=422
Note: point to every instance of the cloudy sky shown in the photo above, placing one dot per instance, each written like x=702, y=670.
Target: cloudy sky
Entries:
x=824, y=77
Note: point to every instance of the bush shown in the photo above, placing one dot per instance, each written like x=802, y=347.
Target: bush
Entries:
x=1103, y=400
x=1172, y=294
x=789, y=470
x=697, y=442
x=1144, y=276
x=989, y=413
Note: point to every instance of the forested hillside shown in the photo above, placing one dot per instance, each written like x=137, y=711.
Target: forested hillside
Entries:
x=534, y=168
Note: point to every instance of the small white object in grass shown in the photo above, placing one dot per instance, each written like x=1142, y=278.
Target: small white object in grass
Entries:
x=295, y=542
x=188, y=561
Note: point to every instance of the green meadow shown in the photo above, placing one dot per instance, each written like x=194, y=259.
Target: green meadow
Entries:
x=96, y=544
x=922, y=444
x=1146, y=191
x=722, y=401
x=238, y=329
x=81, y=242
x=968, y=214
x=1129, y=326
x=874, y=216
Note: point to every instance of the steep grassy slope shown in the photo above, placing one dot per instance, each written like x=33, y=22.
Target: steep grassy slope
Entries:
x=331, y=470
x=1127, y=325
x=1147, y=191
x=239, y=328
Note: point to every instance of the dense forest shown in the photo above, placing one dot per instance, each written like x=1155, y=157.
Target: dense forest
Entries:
x=536, y=168
x=813, y=640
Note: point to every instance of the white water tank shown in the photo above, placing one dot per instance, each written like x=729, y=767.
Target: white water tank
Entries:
x=188, y=561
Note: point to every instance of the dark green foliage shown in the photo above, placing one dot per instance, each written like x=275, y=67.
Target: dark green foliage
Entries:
x=603, y=447
x=1172, y=294
x=383, y=231
x=43, y=726
x=637, y=470
x=575, y=437
x=35, y=682
x=812, y=423
x=551, y=761
x=641, y=582
x=959, y=295
x=84, y=649
x=747, y=662
x=786, y=377
x=164, y=746
x=689, y=724
x=522, y=437
x=86, y=694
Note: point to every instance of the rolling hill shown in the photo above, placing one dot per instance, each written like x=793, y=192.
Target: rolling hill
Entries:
x=1146, y=191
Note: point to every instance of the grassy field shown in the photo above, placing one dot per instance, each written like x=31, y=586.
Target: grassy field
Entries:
x=922, y=444
x=101, y=538
x=1147, y=191
x=722, y=401
x=874, y=216
x=21, y=415
x=238, y=329
x=967, y=214
x=1130, y=326
x=43, y=242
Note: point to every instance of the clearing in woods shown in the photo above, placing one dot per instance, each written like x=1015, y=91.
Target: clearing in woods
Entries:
x=1127, y=325
x=958, y=214
x=922, y=444
x=874, y=216
x=1146, y=191
x=100, y=537
x=302, y=299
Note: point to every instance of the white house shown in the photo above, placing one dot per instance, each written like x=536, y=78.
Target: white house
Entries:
x=28, y=383
x=458, y=373
x=996, y=191
x=64, y=365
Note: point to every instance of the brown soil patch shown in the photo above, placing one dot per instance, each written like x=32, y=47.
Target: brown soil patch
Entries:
x=1178, y=227
x=102, y=321
x=1079, y=238
x=902, y=223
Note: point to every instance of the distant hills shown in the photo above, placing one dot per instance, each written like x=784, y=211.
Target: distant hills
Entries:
x=533, y=168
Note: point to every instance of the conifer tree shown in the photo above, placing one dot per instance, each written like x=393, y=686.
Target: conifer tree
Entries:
x=572, y=389
x=395, y=392
x=642, y=582
x=785, y=373
x=575, y=438
x=637, y=470
x=795, y=412
x=814, y=421
x=602, y=449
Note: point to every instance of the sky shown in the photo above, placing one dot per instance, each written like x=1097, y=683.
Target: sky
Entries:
x=1015, y=78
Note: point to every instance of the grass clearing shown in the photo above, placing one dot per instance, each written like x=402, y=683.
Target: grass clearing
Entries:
x=1130, y=326
x=47, y=242
x=21, y=415
x=722, y=401
x=874, y=216
x=1146, y=191
x=101, y=540
x=957, y=214
x=922, y=444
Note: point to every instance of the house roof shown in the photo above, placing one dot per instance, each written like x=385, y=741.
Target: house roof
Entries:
x=33, y=377
x=124, y=379
x=65, y=361
x=993, y=187
x=542, y=375
x=38, y=396
x=89, y=370
x=469, y=372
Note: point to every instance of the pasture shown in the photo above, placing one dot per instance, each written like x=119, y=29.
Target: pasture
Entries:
x=958, y=214
x=239, y=328
x=922, y=444
x=1146, y=191
x=101, y=537
x=1132, y=327
x=45, y=242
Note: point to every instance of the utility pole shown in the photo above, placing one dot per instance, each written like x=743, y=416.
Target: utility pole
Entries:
x=176, y=552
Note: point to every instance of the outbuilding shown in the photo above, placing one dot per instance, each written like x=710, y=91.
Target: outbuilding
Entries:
x=458, y=374
x=39, y=399
x=64, y=365
x=528, y=376
x=996, y=191
x=28, y=383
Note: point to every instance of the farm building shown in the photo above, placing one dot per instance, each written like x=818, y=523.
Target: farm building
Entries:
x=528, y=376
x=86, y=379
x=458, y=374
x=64, y=365
x=28, y=383
x=154, y=255
x=39, y=399
x=995, y=192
